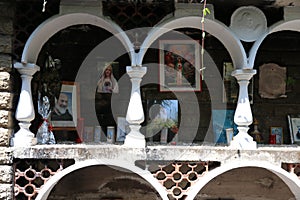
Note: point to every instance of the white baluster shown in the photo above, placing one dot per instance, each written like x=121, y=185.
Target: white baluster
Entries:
x=243, y=115
x=135, y=113
x=25, y=110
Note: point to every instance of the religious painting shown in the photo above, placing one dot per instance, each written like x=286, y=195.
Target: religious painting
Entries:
x=66, y=109
x=179, y=65
x=278, y=133
x=107, y=82
x=294, y=127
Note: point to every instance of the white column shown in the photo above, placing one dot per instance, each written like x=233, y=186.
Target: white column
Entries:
x=243, y=115
x=135, y=113
x=25, y=110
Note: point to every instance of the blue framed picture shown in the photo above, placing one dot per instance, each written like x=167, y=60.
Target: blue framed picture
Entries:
x=222, y=120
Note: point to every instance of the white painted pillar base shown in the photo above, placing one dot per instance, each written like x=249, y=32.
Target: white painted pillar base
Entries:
x=25, y=110
x=135, y=113
x=24, y=138
x=135, y=138
x=243, y=115
x=243, y=140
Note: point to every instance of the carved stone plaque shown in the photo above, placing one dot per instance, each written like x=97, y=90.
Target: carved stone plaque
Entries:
x=272, y=82
x=248, y=23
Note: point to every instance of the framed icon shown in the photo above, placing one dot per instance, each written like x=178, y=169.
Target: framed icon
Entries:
x=179, y=68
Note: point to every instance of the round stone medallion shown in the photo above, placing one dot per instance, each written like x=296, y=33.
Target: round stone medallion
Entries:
x=248, y=23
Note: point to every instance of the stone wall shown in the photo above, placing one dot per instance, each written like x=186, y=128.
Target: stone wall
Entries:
x=7, y=106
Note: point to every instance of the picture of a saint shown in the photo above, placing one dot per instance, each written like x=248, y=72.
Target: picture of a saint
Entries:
x=107, y=82
x=179, y=68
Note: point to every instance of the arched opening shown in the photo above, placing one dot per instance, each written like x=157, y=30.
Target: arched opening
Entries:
x=60, y=60
x=103, y=182
x=293, y=25
x=215, y=28
x=246, y=183
x=251, y=180
x=198, y=129
x=102, y=179
x=279, y=51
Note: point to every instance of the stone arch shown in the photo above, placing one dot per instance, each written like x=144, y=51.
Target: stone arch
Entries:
x=146, y=175
x=215, y=28
x=58, y=22
x=290, y=180
x=293, y=25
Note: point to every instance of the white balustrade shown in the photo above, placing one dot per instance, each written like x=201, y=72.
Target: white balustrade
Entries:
x=243, y=115
x=25, y=110
x=135, y=113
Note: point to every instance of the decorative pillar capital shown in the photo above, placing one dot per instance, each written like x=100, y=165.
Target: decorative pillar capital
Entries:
x=25, y=110
x=243, y=74
x=243, y=115
x=28, y=69
x=135, y=113
x=136, y=71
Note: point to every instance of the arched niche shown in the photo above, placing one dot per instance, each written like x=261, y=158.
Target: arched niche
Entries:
x=58, y=22
x=267, y=175
x=293, y=25
x=213, y=27
x=95, y=177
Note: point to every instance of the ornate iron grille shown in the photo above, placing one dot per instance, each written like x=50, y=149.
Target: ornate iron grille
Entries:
x=134, y=14
x=31, y=175
x=178, y=177
x=28, y=16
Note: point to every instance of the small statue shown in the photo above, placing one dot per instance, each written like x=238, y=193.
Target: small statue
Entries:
x=45, y=134
x=256, y=134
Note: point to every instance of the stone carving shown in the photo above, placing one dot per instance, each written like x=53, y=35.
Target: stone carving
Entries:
x=248, y=19
x=45, y=134
x=272, y=83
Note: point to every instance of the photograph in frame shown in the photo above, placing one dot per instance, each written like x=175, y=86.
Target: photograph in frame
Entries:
x=65, y=112
x=108, y=77
x=222, y=121
x=179, y=65
x=122, y=129
x=161, y=115
x=278, y=131
x=294, y=127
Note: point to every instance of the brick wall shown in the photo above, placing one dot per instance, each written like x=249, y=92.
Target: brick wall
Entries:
x=6, y=98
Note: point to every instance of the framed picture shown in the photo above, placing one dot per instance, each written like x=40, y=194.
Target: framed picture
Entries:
x=122, y=129
x=161, y=114
x=294, y=127
x=231, y=87
x=179, y=62
x=222, y=123
x=109, y=74
x=278, y=132
x=66, y=110
x=88, y=134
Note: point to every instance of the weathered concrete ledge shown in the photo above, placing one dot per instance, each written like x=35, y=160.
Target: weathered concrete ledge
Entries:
x=272, y=154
